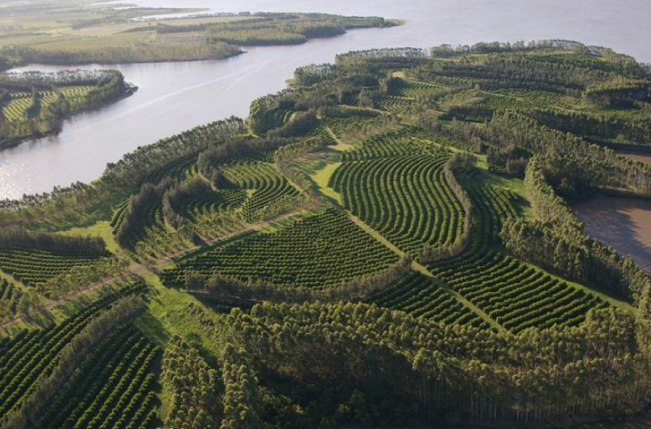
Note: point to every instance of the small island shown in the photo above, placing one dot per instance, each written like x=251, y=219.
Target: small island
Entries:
x=69, y=33
x=34, y=104
x=387, y=242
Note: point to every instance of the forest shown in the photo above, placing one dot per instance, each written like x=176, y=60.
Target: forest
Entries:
x=388, y=242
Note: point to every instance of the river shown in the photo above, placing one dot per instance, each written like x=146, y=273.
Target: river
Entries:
x=174, y=97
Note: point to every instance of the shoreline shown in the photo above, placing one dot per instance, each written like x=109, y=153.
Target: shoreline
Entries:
x=15, y=142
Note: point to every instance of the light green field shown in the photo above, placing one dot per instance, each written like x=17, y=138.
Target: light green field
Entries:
x=17, y=108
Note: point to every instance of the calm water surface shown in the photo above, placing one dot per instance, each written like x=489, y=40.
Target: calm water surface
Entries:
x=623, y=223
x=174, y=97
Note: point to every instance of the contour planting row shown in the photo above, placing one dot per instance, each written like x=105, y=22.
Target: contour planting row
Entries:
x=413, y=89
x=402, y=141
x=406, y=198
x=515, y=294
x=319, y=251
x=178, y=169
x=30, y=354
x=9, y=295
x=395, y=104
x=269, y=186
x=20, y=101
x=197, y=206
x=150, y=219
x=34, y=266
x=419, y=295
x=114, y=388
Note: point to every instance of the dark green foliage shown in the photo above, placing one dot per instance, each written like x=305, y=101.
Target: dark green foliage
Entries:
x=9, y=296
x=35, y=103
x=420, y=296
x=35, y=258
x=141, y=213
x=404, y=197
x=320, y=251
x=283, y=29
x=431, y=369
x=113, y=388
x=32, y=355
x=517, y=296
x=194, y=386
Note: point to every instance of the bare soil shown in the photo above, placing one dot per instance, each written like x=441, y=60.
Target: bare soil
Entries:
x=636, y=156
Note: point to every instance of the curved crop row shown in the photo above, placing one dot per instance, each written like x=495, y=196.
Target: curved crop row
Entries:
x=406, y=198
x=515, y=294
x=420, y=296
x=405, y=140
x=319, y=251
x=269, y=186
x=33, y=266
x=31, y=354
x=9, y=295
x=200, y=205
x=113, y=389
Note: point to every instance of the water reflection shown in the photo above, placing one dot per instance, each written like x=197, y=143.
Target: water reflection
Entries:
x=174, y=97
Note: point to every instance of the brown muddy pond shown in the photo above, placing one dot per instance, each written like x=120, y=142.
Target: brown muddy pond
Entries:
x=636, y=156
x=622, y=223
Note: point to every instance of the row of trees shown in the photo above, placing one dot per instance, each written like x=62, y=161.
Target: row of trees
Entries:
x=574, y=253
x=228, y=287
x=52, y=242
x=141, y=52
x=285, y=157
x=193, y=385
x=599, y=127
x=25, y=81
x=71, y=358
x=436, y=373
x=613, y=61
x=559, y=74
x=137, y=165
x=281, y=29
x=430, y=254
x=137, y=214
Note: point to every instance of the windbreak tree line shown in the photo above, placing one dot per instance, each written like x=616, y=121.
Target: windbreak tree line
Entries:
x=389, y=241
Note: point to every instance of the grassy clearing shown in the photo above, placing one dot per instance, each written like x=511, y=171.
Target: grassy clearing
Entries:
x=100, y=229
x=322, y=177
x=168, y=315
